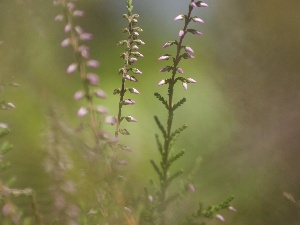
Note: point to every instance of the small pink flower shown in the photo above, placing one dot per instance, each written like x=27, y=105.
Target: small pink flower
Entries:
x=71, y=6
x=189, y=49
x=164, y=57
x=162, y=82
x=190, y=80
x=202, y=4
x=86, y=36
x=131, y=78
x=66, y=42
x=179, y=17
x=198, y=20
x=135, y=47
x=128, y=102
x=181, y=33
x=132, y=60
x=71, y=68
x=4, y=125
x=84, y=50
x=166, y=45
x=79, y=95
x=193, y=4
x=79, y=30
x=231, y=208
x=93, y=63
x=68, y=28
x=133, y=90
x=184, y=85
x=180, y=70
x=100, y=93
x=101, y=109
x=78, y=13
x=220, y=217
x=93, y=79
x=111, y=120
x=191, y=187
x=82, y=112
x=59, y=17
x=130, y=119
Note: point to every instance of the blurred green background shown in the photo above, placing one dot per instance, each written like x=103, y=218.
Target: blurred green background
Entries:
x=243, y=113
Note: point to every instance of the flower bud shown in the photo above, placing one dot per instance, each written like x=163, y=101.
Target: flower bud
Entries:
x=189, y=49
x=179, y=17
x=71, y=68
x=190, y=80
x=162, y=82
x=130, y=78
x=101, y=109
x=66, y=42
x=86, y=36
x=82, y=112
x=198, y=20
x=78, y=13
x=130, y=119
x=184, y=85
x=164, y=57
x=180, y=70
x=100, y=93
x=181, y=33
x=111, y=120
x=93, y=63
x=93, y=79
x=128, y=102
x=67, y=28
x=59, y=17
x=133, y=90
x=220, y=217
x=79, y=95
x=231, y=208
x=191, y=188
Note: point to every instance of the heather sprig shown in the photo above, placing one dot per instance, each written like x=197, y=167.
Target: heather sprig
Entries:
x=158, y=214
x=83, y=64
x=130, y=57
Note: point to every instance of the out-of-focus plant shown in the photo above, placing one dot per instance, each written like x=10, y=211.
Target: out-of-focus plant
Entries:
x=10, y=214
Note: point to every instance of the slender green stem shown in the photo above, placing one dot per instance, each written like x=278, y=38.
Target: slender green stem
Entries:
x=167, y=143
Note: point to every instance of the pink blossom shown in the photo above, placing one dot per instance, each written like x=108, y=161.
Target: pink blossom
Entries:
x=128, y=102
x=93, y=79
x=162, y=82
x=191, y=187
x=68, y=28
x=181, y=33
x=202, y=4
x=133, y=90
x=82, y=112
x=189, y=49
x=66, y=42
x=59, y=17
x=193, y=4
x=184, y=85
x=101, y=109
x=164, y=57
x=78, y=13
x=220, y=217
x=231, y=208
x=179, y=17
x=132, y=60
x=100, y=93
x=71, y=68
x=198, y=20
x=130, y=119
x=190, y=80
x=93, y=63
x=180, y=70
x=79, y=95
x=86, y=36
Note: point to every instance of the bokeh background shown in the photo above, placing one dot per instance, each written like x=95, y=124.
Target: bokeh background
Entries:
x=243, y=113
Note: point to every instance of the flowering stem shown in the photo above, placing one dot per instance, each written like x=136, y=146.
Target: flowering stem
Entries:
x=165, y=165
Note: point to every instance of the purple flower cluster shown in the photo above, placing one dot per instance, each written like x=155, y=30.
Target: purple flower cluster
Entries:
x=76, y=39
x=128, y=71
x=188, y=54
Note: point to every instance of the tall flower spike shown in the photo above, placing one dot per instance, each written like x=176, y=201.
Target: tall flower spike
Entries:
x=165, y=147
x=130, y=57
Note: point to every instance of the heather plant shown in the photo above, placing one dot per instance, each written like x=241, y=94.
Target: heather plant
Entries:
x=97, y=193
x=157, y=211
x=10, y=213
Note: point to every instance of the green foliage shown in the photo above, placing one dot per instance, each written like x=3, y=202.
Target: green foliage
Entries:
x=161, y=99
